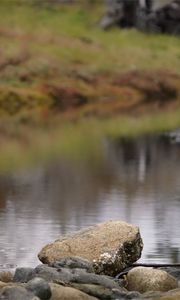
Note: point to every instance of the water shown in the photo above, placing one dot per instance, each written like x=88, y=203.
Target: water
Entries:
x=136, y=181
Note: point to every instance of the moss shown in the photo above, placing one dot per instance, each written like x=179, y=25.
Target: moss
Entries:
x=16, y=100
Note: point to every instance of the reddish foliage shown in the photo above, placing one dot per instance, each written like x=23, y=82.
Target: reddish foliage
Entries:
x=64, y=98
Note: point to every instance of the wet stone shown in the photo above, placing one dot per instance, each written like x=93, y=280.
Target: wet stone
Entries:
x=126, y=295
x=73, y=263
x=23, y=274
x=40, y=288
x=103, y=280
x=97, y=291
x=66, y=275
x=51, y=274
x=58, y=283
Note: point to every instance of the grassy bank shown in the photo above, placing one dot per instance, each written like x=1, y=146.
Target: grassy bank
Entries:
x=64, y=83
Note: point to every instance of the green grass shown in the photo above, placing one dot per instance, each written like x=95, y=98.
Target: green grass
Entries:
x=69, y=37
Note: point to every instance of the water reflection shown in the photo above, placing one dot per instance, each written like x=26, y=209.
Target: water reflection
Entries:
x=137, y=181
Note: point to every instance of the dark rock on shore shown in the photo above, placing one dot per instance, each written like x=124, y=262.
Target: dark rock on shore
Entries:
x=72, y=272
x=67, y=275
x=73, y=278
x=50, y=274
x=130, y=13
x=165, y=19
x=73, y=263
x=40, y=288
x=23, y=274
x=94, y=290
x=55, y=282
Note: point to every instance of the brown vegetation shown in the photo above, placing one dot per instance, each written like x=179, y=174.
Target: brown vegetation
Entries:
x=80, y=96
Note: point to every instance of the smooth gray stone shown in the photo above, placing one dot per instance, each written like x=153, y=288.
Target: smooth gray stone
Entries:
x=97, y=291
x=66, y=275
x=103, y=280
x=126, y=295
x=51, y=274
x=72, y=262
x=23, y=274
x=40, y=288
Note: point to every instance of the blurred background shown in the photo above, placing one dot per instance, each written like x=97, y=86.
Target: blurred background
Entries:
x=86, y=112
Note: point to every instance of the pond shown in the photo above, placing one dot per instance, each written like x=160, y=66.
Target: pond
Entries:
x=137, y=181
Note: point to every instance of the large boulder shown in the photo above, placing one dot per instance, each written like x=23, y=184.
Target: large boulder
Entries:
x=144, y=279
x=110, y=246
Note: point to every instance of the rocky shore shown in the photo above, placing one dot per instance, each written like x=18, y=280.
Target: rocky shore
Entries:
x=97, y=263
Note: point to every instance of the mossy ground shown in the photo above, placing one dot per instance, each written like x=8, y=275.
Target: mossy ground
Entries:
x=64, y=83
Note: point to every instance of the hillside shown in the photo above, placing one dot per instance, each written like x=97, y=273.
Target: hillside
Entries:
x=57, y=66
